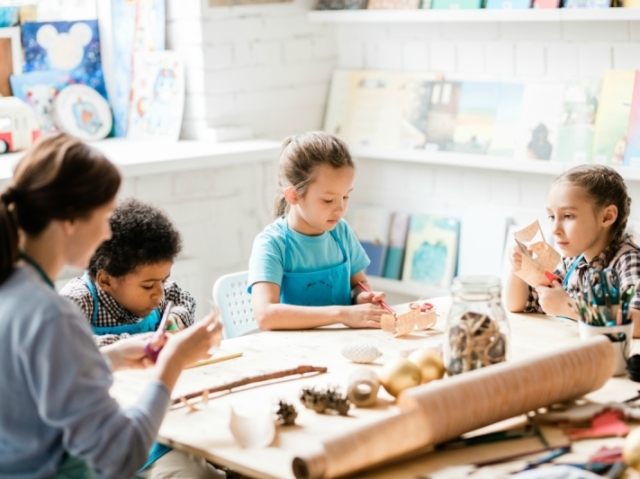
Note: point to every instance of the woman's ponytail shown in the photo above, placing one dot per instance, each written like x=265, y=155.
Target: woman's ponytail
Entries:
x=8, y=235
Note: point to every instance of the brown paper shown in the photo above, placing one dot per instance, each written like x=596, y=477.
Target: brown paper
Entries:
x=406, y=322
x=442, y=410
x=388, y=323
x=545, y=257
x=426, y=320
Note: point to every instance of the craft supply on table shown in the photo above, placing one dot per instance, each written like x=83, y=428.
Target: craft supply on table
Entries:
x=403, y=324
x=362, y=387
x=603, y=308
x=429, y=363
x=477, y=331
x=361, y=352
x=151, y=351
x=382, y=303
x=286, y=413
x=536, y=269
x=325, y=400
x=399, y=374
x=631, y=449
x=204, y=393
x=216, y=358
x=252, y=425
x=478, y=400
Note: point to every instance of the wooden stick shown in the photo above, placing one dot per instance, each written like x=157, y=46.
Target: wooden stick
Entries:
x=251, y=380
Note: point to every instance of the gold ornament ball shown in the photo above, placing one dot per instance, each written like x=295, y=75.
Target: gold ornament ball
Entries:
x=399, y=374
x=631, y=449
x=429, y=363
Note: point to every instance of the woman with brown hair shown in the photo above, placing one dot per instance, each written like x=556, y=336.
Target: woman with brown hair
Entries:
x=57, y=418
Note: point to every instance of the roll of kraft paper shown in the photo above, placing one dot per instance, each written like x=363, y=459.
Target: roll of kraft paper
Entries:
x=445, y=409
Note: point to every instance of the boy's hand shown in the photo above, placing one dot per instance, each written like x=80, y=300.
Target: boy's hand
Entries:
x=554, y=300
x=372, y=297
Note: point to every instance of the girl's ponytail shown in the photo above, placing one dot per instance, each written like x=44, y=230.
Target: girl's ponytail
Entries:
x=8, y=234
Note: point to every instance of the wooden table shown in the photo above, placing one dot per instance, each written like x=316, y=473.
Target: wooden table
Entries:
x=206, y=432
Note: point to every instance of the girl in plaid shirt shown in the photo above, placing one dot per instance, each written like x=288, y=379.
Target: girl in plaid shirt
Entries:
x=588, y=207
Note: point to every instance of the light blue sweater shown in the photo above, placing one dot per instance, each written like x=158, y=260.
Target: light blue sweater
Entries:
x=54, y=390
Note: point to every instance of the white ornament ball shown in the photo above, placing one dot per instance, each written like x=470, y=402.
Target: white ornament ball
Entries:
x=361, y=352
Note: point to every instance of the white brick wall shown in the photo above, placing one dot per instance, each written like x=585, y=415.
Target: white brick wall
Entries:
x=260, y=66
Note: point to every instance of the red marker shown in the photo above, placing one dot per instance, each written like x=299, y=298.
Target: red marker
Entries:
x=382, y=303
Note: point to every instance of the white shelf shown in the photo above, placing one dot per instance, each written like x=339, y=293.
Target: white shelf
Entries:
x=474, y=16
x=407, y=288
x=464, y=160
x=152, y=157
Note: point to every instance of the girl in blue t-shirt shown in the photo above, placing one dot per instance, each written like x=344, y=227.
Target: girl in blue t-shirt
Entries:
x=305, y=267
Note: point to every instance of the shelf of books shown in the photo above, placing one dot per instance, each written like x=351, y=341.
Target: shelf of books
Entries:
x=474, y=15
x=468, y=160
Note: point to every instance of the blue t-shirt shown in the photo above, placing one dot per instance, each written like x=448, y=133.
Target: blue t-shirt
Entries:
x=306, y=253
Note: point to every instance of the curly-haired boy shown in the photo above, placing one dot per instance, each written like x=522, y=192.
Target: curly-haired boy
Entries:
x=126, y=288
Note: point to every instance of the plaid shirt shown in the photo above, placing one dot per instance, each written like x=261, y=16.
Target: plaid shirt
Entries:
x=626, y=262
x=110, y=313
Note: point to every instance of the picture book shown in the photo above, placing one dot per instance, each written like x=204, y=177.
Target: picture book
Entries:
x=431, y=251
x=508, y=4
x=418, y=88
x=546, y=3
x=72, y=47
x=577, y=121
x=456, y=4
x=482, y=238
x=476, y=117
x=39, y=90
x=632, y=150
x=392, y=4
x=387, y=109
x=337, y=103
x=341, y=4
x=586, y=3
x=374, y=108
x=371, y=227
x=441, y=117
x=538, y=130
x=508, y=113
x=612, y=118
x=10, y=57
x=140, y=27
x=9, y=16
x=157, y=98
x=397, y=240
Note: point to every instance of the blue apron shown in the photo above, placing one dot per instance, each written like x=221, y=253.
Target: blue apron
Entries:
x=147, y=325
x=326, y=287
x=572, y=268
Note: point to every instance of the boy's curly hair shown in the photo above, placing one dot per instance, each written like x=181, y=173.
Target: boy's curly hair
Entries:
x=141, y=235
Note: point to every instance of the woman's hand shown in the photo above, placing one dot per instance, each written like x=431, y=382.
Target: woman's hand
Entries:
x=555, y=301
x=129, y=353
x=365, y=315
x=193, y=344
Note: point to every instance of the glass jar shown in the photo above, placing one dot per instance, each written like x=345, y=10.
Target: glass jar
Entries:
x=477, y=331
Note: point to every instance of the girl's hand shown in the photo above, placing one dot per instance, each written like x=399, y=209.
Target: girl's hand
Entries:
x=129, y=353
x=373, y=297
x=554, y=300
x=192, y=344
x=365, y=315
x=515, y=257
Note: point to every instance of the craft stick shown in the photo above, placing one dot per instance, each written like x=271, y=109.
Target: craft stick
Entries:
x=250, y=380
x=165, y=317
x=382, y=303
x=214, y=359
